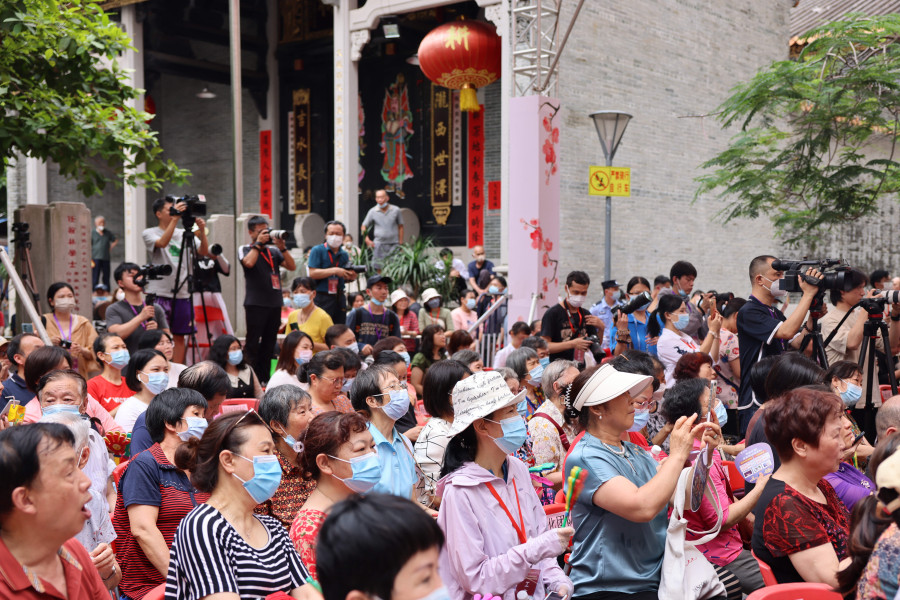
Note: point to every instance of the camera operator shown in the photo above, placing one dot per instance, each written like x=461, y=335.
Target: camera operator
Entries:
x=763, y=330
x=566, y=325
x=328, y=267
x=630, y=329
x=207, y=277
x=847, y=342
x=129, y=318
x=164, y=245
x=262, y=299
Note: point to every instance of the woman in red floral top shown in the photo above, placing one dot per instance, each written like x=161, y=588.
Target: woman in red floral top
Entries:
x=801, y=527
x=332, y=440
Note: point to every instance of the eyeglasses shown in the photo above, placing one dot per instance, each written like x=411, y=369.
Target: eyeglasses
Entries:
x=244, y=416
x=646, y=405
x=335, y=382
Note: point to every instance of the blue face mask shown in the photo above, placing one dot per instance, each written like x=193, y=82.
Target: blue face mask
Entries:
x=156, y=382
x=682, y=293
x=376, y=301
x=545, y=361
x=439, y=594
x=470, y=303
x=398, y=404
x=196, y=426
x=721, y=414
x=405, y=356
x=682, y=321
x=534, y=375
x=851, y=395
x=235, y=357
x=295, y=445
x=640, y=420
x=266, y=477
x=514, y=434
x=56, y=409
x=304, y=357
x=366, y=472
x=522, y=408
x=301, y=300
x=119, y=359
x=286, y=302
x=494, y=290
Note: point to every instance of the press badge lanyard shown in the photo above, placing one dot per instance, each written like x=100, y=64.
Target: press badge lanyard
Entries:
x=520, y=526
x=69, y=339
x=136, y=313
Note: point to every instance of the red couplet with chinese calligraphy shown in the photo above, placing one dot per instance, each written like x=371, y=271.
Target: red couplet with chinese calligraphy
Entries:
x=493, y=195
x=475, y=185
x=265, y=172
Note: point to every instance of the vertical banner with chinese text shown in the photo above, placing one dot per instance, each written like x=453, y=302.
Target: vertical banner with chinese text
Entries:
x=493, y=195
x=301, y=202
x=475, y=187
x=265, y=172
x=440, y=154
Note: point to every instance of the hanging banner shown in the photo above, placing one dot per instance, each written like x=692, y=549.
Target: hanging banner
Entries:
x=475, y=186
x=265, y=172
x=440, y=154
x=493, y=195
x=301, y=202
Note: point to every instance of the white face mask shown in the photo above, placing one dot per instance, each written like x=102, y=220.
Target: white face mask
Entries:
x=120, y=295
x=775, y=288
x=576, y=301
x=334, y=241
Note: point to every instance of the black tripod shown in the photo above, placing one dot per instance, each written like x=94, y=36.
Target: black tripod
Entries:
x=188, y=253
x=22, y=243
x=818, y=347
x=874, y=326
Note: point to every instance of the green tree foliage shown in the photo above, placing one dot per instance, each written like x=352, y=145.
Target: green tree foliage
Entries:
x=63, y=97
x=810, y=152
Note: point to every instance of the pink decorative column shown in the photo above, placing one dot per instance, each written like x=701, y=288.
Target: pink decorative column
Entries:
x=533, y=204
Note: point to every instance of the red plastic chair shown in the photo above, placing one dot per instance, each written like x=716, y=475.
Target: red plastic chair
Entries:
x=792, y=591
x=735, y=478
x=560, y=497
x=237, y=404
x=157, y=593
x=766, y=571
x=117, y=472
x=886, y=392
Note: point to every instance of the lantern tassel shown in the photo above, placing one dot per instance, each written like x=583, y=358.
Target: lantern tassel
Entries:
x=468, y=99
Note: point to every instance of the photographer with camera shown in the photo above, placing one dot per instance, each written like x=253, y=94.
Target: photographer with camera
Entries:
x=630, y=330
x=846, y=332
x=607, y=307
x=128, y=318
x=262, y=298
x=567, y=326
x=165, y=247
x=762, y=329
x=329, y=266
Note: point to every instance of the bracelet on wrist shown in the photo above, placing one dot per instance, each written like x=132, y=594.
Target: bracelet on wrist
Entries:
x=895, y=319
x=111, y=575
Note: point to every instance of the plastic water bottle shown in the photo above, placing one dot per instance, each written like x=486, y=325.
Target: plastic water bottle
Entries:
x=655, y=451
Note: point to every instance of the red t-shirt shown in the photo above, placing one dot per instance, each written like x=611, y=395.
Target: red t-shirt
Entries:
x=83, y=582
x=109, y=395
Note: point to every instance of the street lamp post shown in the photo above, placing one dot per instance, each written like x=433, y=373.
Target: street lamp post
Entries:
x=610, y=126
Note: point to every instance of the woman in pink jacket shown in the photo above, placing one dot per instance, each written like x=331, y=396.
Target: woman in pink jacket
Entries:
x=497, y=540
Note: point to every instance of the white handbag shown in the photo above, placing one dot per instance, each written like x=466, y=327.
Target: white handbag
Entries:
x=686, y=574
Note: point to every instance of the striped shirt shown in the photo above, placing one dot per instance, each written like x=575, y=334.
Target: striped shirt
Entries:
x=210, y=557
x=149, y=480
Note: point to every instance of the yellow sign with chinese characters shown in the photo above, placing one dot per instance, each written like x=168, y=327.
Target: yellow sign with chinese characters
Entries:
x=610, y=181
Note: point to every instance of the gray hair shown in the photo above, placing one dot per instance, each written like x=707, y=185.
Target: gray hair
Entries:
x=78, y=425
x=517, y=359
x=552, y=373
x=507, y=373
x=466, y=357
x=278, y=402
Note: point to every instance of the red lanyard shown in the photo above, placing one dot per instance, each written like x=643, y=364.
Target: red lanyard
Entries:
x=520, y=526
x=568, y=316
x=328, y=251
x=269, y=260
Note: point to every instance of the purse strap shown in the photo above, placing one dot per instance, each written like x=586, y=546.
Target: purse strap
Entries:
x=562, y=434
x=678, y=510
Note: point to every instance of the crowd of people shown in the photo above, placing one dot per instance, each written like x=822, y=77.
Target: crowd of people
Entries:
x=388, y=454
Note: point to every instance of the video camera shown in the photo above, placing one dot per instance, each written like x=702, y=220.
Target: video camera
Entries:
x=632, y=305
x=875, y=306
x=196, y=207
x=23, y=236
x=151, y=272
x=358, y=269
x=833, y=272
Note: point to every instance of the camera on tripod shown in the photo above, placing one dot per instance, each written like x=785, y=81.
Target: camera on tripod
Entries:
x=875, y=306
x=151, y=272
x=833, y=271
x=23, y=236
x=632, y=305
x=196, y=206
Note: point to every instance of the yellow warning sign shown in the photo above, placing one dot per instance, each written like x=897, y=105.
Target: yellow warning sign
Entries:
x=610, y=181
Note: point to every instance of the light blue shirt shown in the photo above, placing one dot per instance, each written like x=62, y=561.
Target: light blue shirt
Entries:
x=398, y=469
x=603, y=311
x=610, y=553
x=638, y=333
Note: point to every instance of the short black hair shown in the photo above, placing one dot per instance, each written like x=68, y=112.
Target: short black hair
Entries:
x=520, y=327
x=319, y=363
x=151, y=337
x=124, y=268
x=306, y=282
x=137, y=362
x=790, y=371
x=661, y=280
x=256, y=220
x=351, y=359
x=579, y=277
x=501, y=279
x=440, y=378
x=445, y=252
x=218, y=352
x=759, y=372
x=20, y=455
x=683, y=399
x=100, y=341
x=168, y=407
x=206, y=377
x=15, y=345
x=878, y=275
x=278, y=402
x=55, y=287
x=682, y=268
x=842, y=369
x=759, y=264
x=334, y=332
x=329, y=223
x=852, y=279
x=389, y=358
x=368, y=383
x=159, y=203
x=535, y=342
x=42, y=361
x=366, y=541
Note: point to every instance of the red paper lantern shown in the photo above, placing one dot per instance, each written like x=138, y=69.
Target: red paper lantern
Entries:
x=462, y=55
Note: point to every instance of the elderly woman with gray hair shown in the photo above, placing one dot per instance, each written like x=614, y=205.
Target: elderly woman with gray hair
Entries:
x=550, y=435
x=287, y=410
x=527, y=366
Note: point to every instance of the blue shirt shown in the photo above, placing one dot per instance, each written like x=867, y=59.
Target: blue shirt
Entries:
x=321, y=257
x=398, y=469
x=15, y=387
x=613, y=554
x=140, y=437
x=638, y=333
x=603, y=311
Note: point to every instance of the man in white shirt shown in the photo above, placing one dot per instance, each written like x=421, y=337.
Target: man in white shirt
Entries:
x=517, y=334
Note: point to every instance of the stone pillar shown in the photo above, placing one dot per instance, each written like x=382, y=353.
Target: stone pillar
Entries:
x=498, y=14
x=221, y=231
x=35, y=181
x=347, y=47
x=135, y=198
x=534, y=191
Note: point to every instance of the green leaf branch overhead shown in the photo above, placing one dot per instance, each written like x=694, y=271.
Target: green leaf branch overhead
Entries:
x=817, y=144
x=63, y=97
